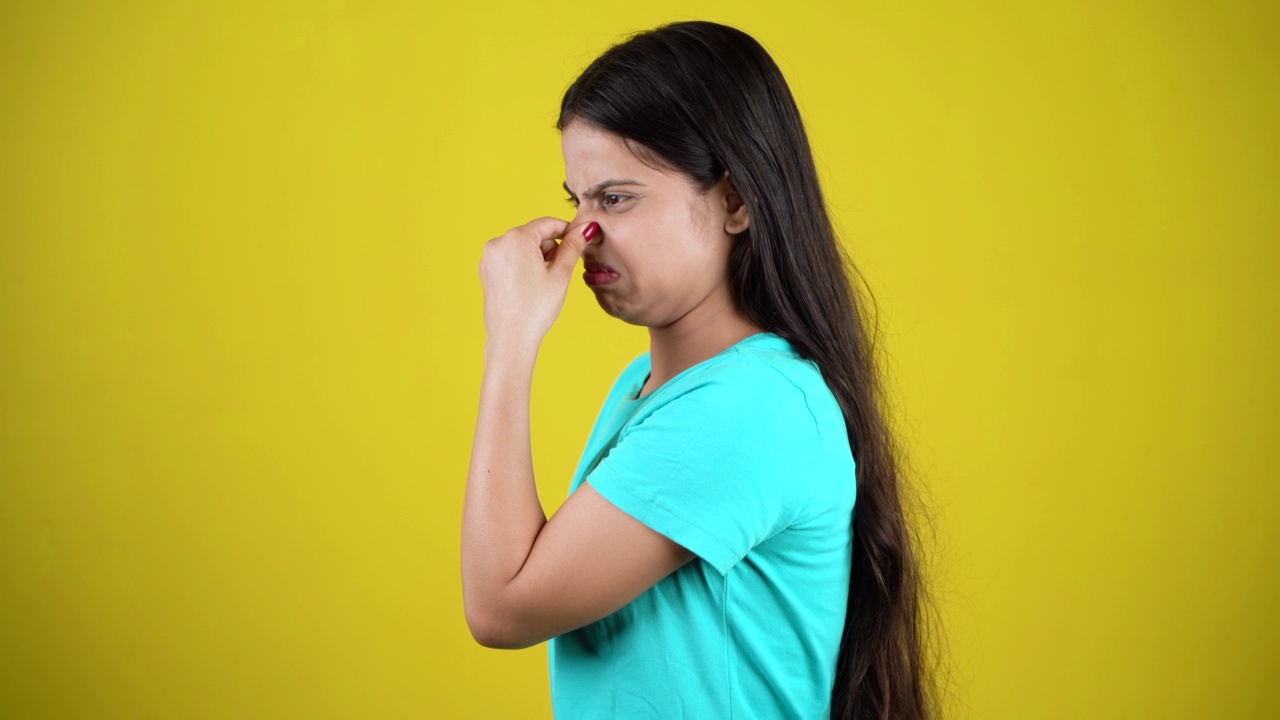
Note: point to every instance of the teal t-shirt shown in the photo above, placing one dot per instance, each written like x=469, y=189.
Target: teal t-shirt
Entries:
x=743, y=459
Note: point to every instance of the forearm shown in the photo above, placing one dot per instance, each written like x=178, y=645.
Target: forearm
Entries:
x=501, y=515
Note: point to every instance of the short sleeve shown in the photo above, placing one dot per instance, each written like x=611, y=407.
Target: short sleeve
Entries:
x=714, y=468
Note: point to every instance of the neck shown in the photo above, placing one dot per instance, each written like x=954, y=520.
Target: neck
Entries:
x=698, y=335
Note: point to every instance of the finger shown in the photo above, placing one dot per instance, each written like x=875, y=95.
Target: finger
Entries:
x=543, y=228
x=548, y=231
x=549, y=245
x=571, y=248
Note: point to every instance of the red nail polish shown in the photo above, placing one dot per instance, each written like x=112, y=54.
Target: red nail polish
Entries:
x=590, y=230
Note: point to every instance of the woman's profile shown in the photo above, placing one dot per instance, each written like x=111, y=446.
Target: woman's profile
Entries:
x=734, y=542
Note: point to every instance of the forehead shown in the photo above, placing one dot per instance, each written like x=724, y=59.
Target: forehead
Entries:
x=592, y=154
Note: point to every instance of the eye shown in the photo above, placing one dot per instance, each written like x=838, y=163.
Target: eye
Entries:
x=613, y=195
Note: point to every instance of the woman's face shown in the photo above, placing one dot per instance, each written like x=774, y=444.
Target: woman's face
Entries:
x=665, y=245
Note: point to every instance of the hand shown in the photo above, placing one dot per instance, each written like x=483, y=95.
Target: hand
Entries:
x=525, y=275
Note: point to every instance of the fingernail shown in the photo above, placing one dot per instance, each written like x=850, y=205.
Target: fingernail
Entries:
x=590, y=230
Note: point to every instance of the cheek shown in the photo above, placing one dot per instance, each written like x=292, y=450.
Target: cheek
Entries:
x=660, y=250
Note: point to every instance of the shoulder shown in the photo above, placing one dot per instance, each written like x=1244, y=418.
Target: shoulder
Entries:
x=757, y=398
x=768, y=380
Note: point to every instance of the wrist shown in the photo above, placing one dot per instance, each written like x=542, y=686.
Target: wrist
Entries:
x=510, y=353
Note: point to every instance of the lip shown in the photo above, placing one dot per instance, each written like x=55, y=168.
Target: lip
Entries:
x=599, y=274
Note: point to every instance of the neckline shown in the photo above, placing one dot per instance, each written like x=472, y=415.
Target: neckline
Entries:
x=761, y=338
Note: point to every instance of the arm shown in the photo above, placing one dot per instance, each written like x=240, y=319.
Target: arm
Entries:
x=501, y=515
x=526, y=579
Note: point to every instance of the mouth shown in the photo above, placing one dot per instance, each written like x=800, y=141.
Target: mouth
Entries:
x=599, y=274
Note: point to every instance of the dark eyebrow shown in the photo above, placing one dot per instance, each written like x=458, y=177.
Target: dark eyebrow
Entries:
x=595, y=189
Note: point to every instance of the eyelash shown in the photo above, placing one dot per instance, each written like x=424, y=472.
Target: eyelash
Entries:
x=574, y=202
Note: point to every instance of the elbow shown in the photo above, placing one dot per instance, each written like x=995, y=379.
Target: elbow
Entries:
x=493, y=639
x=487, y=633
x=495, y=629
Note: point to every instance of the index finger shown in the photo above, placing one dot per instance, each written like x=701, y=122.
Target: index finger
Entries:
x=545, y=228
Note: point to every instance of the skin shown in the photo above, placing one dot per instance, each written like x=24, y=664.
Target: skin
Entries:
x=525, y=578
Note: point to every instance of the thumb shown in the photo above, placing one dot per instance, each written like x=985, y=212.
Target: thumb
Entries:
x=572, y=247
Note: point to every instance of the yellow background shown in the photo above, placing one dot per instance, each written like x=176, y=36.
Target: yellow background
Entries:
x=240, y=338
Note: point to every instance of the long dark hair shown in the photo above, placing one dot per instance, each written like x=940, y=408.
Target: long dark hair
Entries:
x=702, y=98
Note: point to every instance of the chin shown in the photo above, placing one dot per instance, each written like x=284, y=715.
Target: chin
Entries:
x=620, y=313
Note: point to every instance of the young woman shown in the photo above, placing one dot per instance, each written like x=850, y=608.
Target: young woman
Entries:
x=708, y=562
